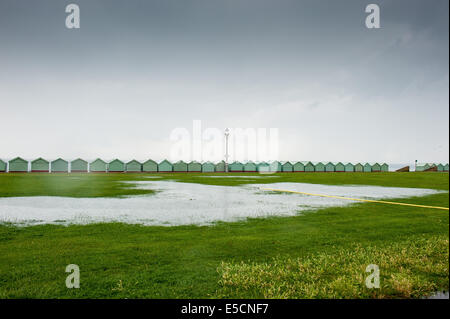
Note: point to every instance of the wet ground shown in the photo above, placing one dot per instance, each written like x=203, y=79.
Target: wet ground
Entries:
x=439, y=295
x=178, y=203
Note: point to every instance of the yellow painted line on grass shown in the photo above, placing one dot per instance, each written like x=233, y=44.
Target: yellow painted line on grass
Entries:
x=354, y=199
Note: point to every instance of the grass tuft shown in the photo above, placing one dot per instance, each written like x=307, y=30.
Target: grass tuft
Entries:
x=408, y=269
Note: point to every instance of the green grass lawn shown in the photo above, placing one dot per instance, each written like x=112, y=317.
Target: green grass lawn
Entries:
x=321, y=254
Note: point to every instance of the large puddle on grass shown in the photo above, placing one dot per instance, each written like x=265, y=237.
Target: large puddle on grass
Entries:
x=177, y=203
x=240, y=176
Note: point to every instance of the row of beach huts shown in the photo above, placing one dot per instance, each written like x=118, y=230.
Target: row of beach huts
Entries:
x=429, y=167
x=97, y=166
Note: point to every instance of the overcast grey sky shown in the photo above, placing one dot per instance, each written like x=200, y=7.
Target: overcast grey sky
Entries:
x=136, y=70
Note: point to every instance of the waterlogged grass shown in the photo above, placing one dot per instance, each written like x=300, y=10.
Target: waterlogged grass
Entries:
x=407, y=269
x=68, y=185
x=432, y=180
x=334, y=245
x=111, y=184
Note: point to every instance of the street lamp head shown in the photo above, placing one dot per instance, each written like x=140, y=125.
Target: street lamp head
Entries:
x=227, y=131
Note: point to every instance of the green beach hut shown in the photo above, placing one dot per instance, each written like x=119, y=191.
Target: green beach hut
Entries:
x=422, y=167
x=60, y=166
x=150, y=166
x=339, y=167
x=319, y=167
x=287, y=167
x=446, y=167
x=2, y=166
x=180, y=166
x=349, y=167
x=440, y=167
x=116, y=166
x=236, y=167
x=18, y=165
x=275, y=166
x=79, y=166
x=384, y=167
x=299, y=167
x=263, y=167
x=329, y=167
x=165, y=166
x=367, y=168
x=98, y=166
x=208, y=167
x=309, y=167
x=220, y=167
x=250, y=167
x=194, y=167
x=359, y=167
x=376, y=167
x=133, y=166
x=40, y=165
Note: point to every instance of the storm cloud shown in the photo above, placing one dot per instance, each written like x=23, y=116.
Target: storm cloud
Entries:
x=136, y=70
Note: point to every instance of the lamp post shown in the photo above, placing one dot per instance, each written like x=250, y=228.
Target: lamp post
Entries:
x=227, y=134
